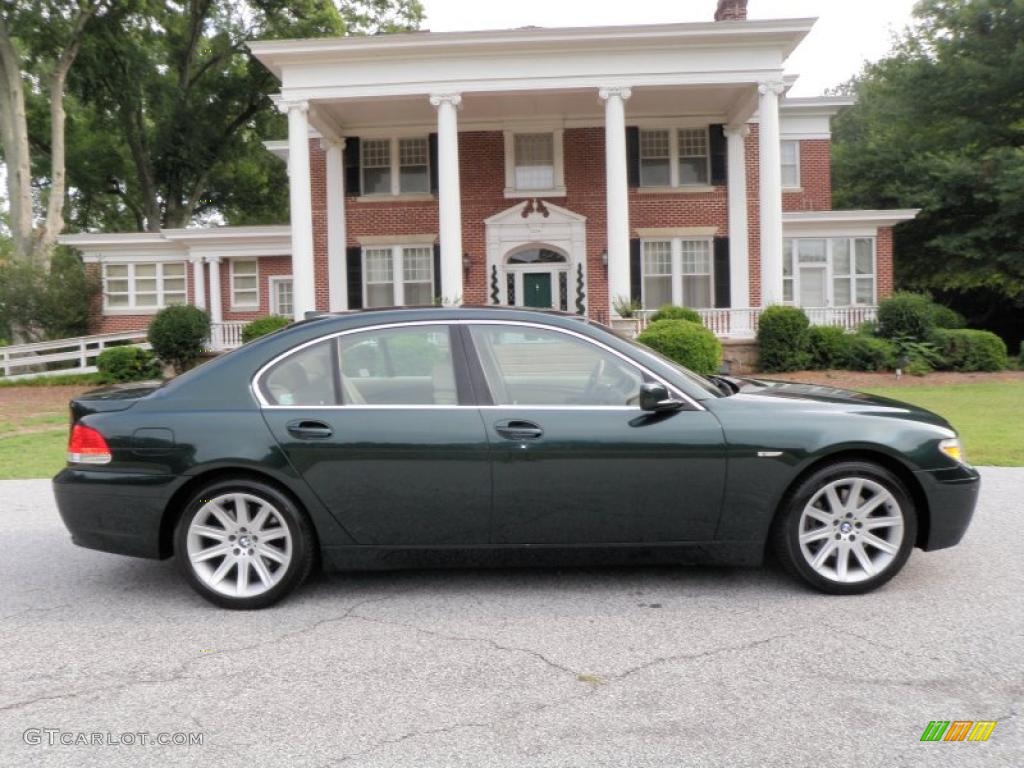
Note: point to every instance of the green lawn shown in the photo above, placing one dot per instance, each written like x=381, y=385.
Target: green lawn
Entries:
x=987, y=415
x=39, y=454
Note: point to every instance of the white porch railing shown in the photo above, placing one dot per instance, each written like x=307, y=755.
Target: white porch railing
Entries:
x=226, y=335
x=21, y=361
x=743, y=323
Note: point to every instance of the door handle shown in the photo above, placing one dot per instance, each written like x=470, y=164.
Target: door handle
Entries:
x=518, y=429
x=309, y=430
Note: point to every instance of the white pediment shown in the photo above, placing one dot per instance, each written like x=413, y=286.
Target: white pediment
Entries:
x=534, y=213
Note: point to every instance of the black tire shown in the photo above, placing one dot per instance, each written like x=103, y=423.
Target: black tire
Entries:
x=785, y=536
x=290, y=575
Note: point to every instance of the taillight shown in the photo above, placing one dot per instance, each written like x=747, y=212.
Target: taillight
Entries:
x=87, y=446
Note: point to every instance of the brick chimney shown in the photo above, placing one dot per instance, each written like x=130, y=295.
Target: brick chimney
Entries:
x=731, y=10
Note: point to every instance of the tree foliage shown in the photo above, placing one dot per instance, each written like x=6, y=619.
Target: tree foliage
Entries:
x=939, y=125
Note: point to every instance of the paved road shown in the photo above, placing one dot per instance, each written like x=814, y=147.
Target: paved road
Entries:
x=629, y=667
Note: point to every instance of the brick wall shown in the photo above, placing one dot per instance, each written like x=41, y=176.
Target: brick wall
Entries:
x=815, y=192
x=883, y=263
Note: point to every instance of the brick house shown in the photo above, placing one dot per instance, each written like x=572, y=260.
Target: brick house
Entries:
x=578, y=169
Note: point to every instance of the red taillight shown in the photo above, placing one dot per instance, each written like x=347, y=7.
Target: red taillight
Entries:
x=87, y=446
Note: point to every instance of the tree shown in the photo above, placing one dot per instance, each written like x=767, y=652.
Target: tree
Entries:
x=39, y=42
x=939, y=124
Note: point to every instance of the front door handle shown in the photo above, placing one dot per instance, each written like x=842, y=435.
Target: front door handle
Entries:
x=518, y=429
x=307, y=429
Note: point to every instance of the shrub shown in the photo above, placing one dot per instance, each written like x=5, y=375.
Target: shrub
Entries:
x=963, y=349
x=689, y=344
x=782, y=339
x=127, y=364
x=906, y=314
x=262, y=326
x=178, y=335
x=867, y=353
x=826, y=346
x=670, y=312
x=944, y=317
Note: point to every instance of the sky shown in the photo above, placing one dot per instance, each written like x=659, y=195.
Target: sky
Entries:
x=848, y=32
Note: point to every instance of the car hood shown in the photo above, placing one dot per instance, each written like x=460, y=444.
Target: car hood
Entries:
x=840, y=399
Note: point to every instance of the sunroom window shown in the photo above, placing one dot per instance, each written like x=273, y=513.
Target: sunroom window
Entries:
x=245, y=284
x=829, y=272
x=146, y=287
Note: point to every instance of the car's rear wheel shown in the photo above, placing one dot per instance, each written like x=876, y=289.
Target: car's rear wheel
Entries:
x=243, y=544
x=847, y=528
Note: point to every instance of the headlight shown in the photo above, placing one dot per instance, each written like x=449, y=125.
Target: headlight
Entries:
x=952, y=448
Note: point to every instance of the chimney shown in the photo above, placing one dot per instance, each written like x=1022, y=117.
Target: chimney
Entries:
x=731, y=10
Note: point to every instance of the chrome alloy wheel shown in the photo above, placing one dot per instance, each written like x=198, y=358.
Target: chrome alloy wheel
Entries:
x=851, y=530
x=239, y=545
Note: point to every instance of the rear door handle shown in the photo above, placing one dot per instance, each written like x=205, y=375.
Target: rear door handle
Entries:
x=306, y=429
x=518, y=429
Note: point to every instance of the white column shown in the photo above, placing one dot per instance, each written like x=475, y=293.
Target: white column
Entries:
x=739, y=261
x=198, y=283
x=771, y=192
x=301, y=196
x=337, y=280
x=616, y=186
x=216, y=315
x=450, y=195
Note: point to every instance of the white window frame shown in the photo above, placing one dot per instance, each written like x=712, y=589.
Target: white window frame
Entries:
x=677, y=268
x=272, y=284
x=673, y=155
x=558, y=157
x=132, y=307
x=397, y=269
x=829, y=266
x=796, y=164
x=395, y=167
x=235, y=306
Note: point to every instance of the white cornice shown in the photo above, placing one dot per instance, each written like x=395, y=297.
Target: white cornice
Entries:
x=183, y=243
x=878, y=218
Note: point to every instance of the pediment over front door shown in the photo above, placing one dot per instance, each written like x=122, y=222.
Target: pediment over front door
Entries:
x=539, y=226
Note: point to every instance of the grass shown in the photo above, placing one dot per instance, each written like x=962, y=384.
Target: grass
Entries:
x=83, y=379
x=987, y=415
x=40, y=454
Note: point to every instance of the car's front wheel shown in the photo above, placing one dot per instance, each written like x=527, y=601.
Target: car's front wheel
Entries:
x=243, y=544
x=847, y=528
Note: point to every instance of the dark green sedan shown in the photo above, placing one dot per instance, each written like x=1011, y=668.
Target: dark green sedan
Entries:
x=412, y=437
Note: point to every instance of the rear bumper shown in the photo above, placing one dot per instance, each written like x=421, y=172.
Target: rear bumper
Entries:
x=115, y=512
x=952, y=495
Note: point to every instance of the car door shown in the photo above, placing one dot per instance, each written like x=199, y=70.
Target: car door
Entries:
x=377, y=423
x=575, y=460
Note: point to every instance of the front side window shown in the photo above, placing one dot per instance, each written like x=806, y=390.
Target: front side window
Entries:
x=655, y=159
x=145, y=287
x=537, y=366
x=398, y=276
x=534, y=161
x=677, y=272
x=657, y=265
x=676, y=157
x=790, y=164
x=696, y=273
x=245, y=291
x=398, y=366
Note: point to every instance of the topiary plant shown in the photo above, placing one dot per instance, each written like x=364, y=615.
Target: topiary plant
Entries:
x=671, y=312
x=906, y=315
x=261, y=326
x=178, y=335
x=689, y=344
x=782, y=339
x=127, y=364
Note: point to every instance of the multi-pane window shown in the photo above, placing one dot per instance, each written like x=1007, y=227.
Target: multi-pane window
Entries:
x=829, y=272
x=395, y=166
x=398, y=275
x=674, y=157
x=534, y=161
x=143, y=286
x=282, y=297
x=677, y=272
x=790, y=151
x=245, y=286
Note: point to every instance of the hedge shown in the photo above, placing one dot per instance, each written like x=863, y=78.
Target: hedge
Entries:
x=689, y=344
x=782, y=339
x=868, y=353
x=261, y=326
x=963, y=349
x=127, y=364
x=670, y=312
x=906, y=315
x=827, y=346
x=178, y=335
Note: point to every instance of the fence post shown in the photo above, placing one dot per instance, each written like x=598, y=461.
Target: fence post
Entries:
x=81, y=353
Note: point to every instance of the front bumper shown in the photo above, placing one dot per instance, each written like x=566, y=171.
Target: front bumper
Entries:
x=952, y=495
x=115, y=512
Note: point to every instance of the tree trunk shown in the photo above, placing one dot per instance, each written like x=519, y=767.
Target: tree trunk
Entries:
x=14, y=134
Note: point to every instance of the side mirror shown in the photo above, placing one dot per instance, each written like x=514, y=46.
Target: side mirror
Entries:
x=654, y=398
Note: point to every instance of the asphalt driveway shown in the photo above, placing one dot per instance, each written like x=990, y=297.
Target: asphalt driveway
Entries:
x=596, y=667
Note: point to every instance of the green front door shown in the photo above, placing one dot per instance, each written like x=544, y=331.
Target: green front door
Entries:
x=537, y=289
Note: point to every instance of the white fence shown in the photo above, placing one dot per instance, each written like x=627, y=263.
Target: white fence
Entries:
x=743, y=323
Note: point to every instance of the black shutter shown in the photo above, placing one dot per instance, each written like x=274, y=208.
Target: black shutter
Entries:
x=633, y=156
x=635, y=274
x=354, y=266
x=719, y=169
x=353, y=179
x=723, y=296
x=432, y=149
x=437, y=273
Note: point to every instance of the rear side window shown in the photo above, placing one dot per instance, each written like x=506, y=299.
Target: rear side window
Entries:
x=409, y=365
x=305, y=378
